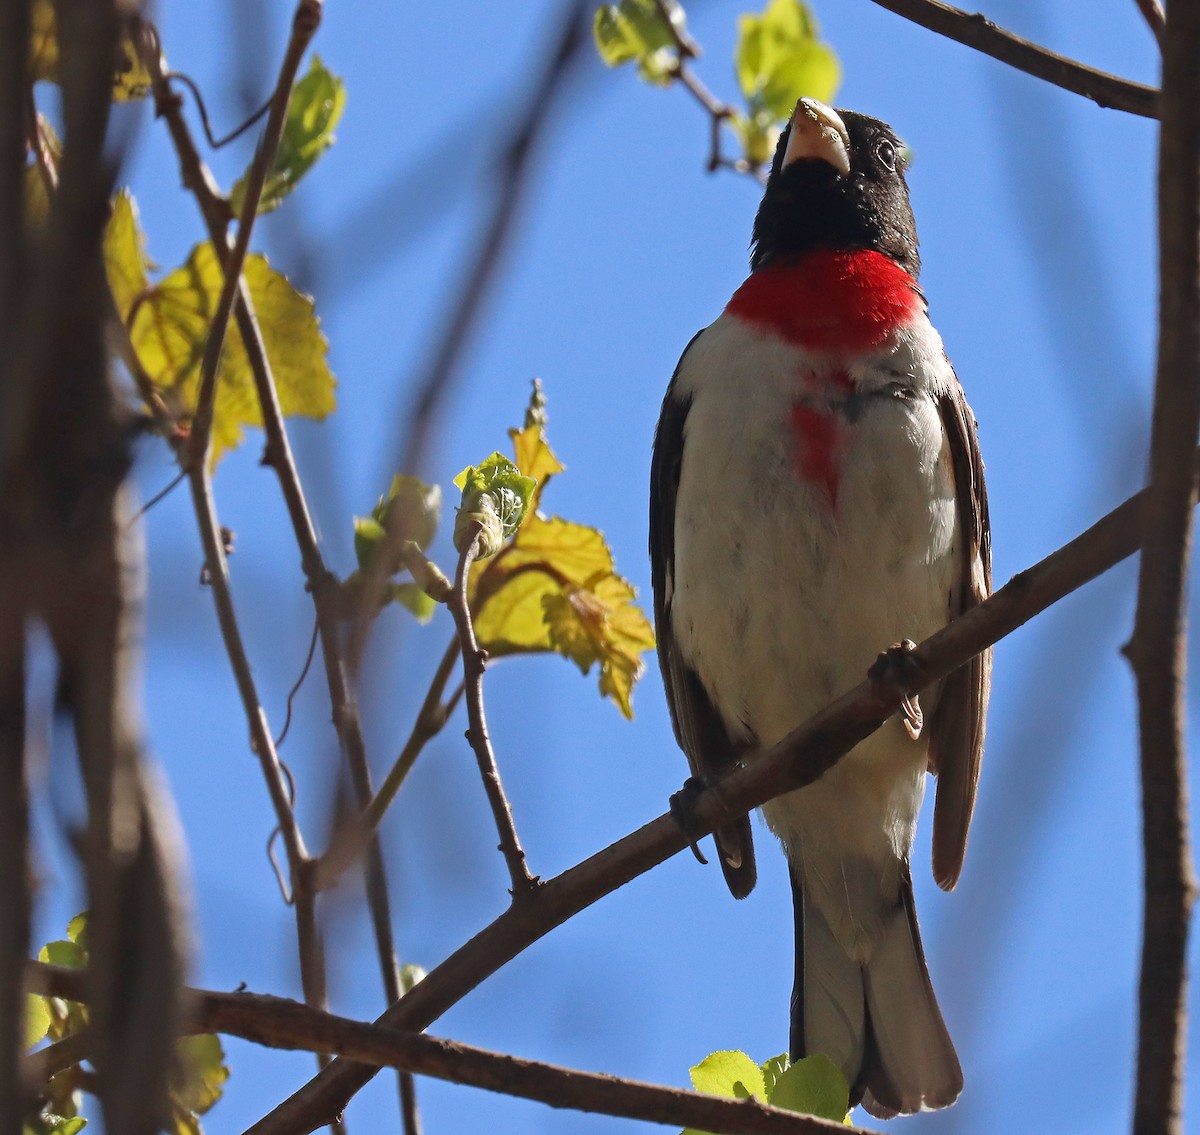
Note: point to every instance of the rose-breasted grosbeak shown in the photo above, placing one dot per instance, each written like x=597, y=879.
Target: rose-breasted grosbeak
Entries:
x=816, y=494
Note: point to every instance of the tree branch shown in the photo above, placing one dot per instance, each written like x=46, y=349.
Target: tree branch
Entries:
x=1155, y=17
x=281, y=1023
x=803, y=756
x=278, y=455
x=1158, y=647
x=977, y=31
x=474, y=664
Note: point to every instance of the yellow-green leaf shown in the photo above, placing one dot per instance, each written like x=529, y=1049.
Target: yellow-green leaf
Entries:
x=125, y=260
x=496, y=498
x=554, y=588
x=599, y=624
x=37, y=1019
x=635, y=31
x=814, y=1085
x=781, y=58
x=171, y=325
x=314, y=110
x=131, y=80
x=202, y=1073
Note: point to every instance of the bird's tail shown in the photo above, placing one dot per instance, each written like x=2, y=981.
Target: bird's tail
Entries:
x=878, y=1021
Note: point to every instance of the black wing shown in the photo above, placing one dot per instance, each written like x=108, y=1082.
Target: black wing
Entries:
x=957, y=729
x=699, y=729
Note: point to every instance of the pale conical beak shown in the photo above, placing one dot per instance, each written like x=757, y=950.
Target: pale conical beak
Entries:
x=818, y=132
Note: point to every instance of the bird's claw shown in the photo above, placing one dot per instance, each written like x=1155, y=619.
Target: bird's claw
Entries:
x=896, y=667
x=683, y=811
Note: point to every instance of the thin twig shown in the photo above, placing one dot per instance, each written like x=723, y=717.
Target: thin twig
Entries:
x=800, y=758
x=261, y=740
x=282, y=1023
x=1156, y=18
x=304, y=25
x=287, y=718
x=977, y=31
x=347, y=845
x=1158, y=648
x=320, y=581
x=474, y=665
x=236, y=132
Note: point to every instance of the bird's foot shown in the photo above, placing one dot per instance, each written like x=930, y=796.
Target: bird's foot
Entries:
x=683, y=811
x=898, y=669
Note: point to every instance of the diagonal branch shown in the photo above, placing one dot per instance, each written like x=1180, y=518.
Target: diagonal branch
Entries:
x=1158, y=648
x=803, y=756
x=977, y=31
x=282, y=1023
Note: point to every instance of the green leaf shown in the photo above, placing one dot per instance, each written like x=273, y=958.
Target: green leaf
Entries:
x=635, y=31
x=416, y=511
x=313, y=112
x=131, y=80
x=368, y=535
x=496, y=496
x=63, y=954
x=412, y=597
x=199, y=1081
x=780, y=58
x=410, y=975
x=772, y=1069
x=48, y=1123
x=171, y=325
x=37, y=1019
x=125, y=260
x=77, y=930
x=730, y=1074
x=815, y=1086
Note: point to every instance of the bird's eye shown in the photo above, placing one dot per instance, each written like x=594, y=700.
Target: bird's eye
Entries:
x=886, y=153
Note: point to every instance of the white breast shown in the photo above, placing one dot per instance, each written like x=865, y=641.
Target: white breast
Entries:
x=783, y=599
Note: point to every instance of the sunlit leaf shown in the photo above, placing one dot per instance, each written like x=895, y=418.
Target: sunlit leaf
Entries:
x=125, y=260
x=415, y=600
x=313, y=113
x=67, y=1017
x=171, y=325
x=131, y=80
x=554, y=587
x=780, y=58
x=496, y=498
x=814, y=1085
x=199, y=1081
x=48, y=1123
x=730, y=1074
x=635, y=31
x=37, y=1019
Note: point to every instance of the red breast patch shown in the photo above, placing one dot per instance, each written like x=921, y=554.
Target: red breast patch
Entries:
x=840, y=302
x=818, y=436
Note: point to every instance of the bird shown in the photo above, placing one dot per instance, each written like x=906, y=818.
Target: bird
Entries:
x=817, y=496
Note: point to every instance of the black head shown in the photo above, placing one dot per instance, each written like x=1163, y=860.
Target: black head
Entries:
x=837, y=181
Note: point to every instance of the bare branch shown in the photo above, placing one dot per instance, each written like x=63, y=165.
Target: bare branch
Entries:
x=281, y=1023
x=977, y=31
x=803, y=756
x=321, y=582
x=474, y=664
x=1156, y=18
x=1158, y=648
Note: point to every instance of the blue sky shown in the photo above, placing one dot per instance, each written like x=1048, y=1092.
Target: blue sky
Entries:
x=1035, y=213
